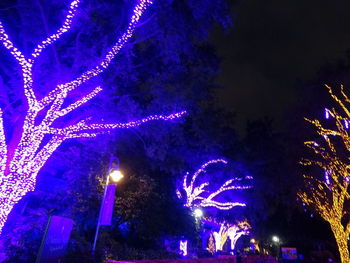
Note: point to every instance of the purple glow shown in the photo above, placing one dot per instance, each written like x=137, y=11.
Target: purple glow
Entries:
x=326, y=176
x=326, y=113
x=194, y=193
x=18, y=174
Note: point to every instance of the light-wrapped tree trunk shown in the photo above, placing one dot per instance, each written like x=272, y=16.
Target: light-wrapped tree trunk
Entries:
x=22, y=160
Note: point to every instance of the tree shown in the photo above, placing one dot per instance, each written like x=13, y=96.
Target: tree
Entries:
x=194, y=194
x=328, y=194
x=221, y=237
x=168, y=65
x=236, y=231
x=228, y=230
x=22, y=157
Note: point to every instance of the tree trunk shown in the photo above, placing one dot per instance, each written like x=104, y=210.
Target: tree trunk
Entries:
x=11, y=193
x=342, y=242
x=6, y=208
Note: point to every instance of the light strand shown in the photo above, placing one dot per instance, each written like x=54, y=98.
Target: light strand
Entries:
x=228, y=230
x=328, y=197
x=138, y=11
x=194, y=194
x=18, y=175
x=73, y=7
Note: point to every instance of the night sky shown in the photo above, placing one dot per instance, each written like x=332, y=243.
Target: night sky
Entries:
x=272, y=45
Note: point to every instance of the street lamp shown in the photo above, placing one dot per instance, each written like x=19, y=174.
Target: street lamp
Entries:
x=276, y=240
x=114, y=175
x=198, y=213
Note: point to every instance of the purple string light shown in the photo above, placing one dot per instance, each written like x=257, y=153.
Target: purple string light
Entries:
x=18, y=173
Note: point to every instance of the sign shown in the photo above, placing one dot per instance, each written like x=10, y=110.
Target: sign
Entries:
x=108, y=205
x=55, y=241
x=289, y=253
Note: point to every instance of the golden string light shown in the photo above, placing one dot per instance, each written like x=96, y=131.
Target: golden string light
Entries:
x=328, y=196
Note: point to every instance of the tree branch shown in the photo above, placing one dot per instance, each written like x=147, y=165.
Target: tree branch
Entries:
x=193, y=193
x=26, y=65
x=64, y=28
x=138, y=11
x=3, y=146
x=82, y=126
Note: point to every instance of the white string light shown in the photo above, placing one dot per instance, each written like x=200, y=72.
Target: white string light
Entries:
x=194, y=194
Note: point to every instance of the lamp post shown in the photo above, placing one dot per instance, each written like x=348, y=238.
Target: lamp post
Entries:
x=198, y=214
x=106, y=210
x=276, y=240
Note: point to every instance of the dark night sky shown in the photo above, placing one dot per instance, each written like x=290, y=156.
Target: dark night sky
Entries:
x=273, y=44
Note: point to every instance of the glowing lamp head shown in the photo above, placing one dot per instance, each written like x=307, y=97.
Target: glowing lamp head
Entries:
x=275, y=239
x=198, y=213
x=116, y=176
x=252, y=240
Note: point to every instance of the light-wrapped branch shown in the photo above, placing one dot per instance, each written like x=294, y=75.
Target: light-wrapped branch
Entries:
x=63, y=29
x=194, y=194
x=3, y=146
x=40, y=136
x=241, y=228
x=138, y=11
x=228, y=230
x=83, y=126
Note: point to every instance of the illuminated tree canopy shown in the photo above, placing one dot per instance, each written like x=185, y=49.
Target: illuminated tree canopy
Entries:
x=236, y=231
x=229, y=230
x=194, y=191
x=22, y=157
x=328, y=194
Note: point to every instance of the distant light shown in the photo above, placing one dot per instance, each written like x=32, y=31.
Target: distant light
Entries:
x=275, y=239
x=183, y=247
x=252, y=240
x=116, y=176
x=198, y=212
x=326, y=113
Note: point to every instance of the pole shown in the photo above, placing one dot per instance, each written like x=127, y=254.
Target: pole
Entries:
x=38, y=259
x=111, y=161
x=99, y=217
